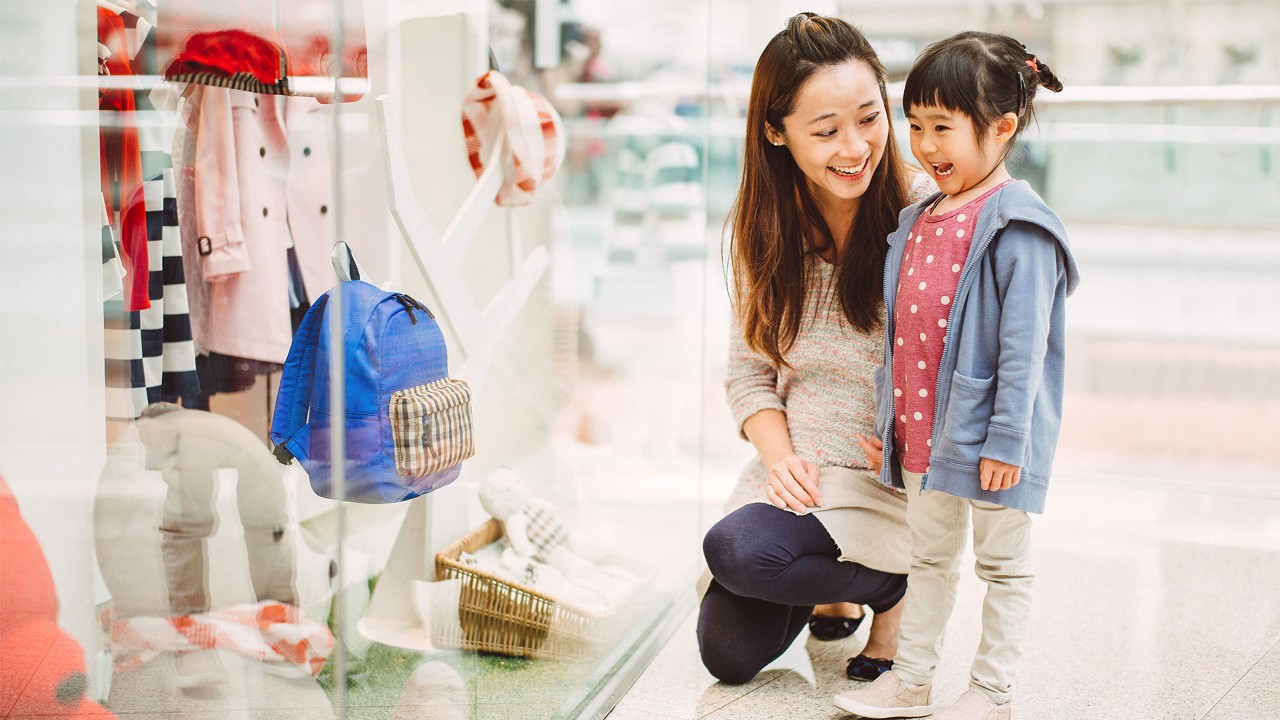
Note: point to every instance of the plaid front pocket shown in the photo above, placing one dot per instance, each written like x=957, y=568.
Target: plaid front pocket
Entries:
x=431, y=426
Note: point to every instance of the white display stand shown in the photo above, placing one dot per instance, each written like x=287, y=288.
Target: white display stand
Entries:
x=434, y=520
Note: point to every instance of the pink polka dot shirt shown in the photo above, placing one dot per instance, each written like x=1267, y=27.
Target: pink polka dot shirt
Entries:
x=936, y=252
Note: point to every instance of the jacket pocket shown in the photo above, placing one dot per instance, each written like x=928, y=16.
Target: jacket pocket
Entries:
x=969, y=409
x=884, y=399
x=243, y=101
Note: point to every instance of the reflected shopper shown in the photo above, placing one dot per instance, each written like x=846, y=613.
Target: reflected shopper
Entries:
x=808, y=524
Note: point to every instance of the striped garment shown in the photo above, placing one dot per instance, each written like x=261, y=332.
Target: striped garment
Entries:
x=126, y=385
x=431, y=426
x=149, y=353
x=238, y=81
x=529, y=125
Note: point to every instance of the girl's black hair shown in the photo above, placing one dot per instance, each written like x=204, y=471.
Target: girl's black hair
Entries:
x=983, y=75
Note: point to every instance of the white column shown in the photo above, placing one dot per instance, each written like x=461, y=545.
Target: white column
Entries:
x=51, y=373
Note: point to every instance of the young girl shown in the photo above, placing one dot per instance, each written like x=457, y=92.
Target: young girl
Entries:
x=969, y=400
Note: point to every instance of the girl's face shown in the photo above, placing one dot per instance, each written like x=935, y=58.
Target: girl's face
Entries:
x=944, y=143
x=837, y=133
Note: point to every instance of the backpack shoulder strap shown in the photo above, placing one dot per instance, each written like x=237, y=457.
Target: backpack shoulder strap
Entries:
x=294, y=397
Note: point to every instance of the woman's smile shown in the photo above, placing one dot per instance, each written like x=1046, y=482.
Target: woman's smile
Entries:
x=851, y=172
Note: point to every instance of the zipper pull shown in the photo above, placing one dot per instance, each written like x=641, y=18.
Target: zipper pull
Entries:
x=424, y=309
x=408, y=304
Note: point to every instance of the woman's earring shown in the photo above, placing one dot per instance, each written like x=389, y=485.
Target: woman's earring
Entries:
x=777, y=143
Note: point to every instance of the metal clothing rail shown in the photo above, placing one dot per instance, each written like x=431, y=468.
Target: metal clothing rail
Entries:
x=1075, y=94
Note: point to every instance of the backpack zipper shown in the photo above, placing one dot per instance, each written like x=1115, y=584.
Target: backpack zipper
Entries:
x=410, y=305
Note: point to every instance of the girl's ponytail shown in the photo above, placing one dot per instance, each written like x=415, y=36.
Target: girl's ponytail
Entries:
x=1043, y=74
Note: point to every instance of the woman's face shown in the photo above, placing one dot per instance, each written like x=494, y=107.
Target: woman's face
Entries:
x=837, y=133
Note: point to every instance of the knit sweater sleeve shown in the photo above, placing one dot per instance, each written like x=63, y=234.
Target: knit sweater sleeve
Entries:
x=751, y=381
x=922, y=186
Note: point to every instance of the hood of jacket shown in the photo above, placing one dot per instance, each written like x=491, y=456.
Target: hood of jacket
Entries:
x=1016, y=201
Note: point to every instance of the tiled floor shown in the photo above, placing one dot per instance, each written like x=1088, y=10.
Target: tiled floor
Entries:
x=1151, y=603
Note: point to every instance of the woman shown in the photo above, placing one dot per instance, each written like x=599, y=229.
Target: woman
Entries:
x=822, y=186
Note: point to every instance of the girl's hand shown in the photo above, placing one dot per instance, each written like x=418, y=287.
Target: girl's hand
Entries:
x=873, y=448
x=793, y=483
x=997, y=475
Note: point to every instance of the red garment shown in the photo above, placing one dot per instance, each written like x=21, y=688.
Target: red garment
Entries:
x=133, y=234
x=42, y=671
x=121, y=156
x=927, y=282
x=229, y=52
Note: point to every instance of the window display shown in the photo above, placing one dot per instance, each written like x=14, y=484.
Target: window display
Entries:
x=535, y=191
x=460, y=527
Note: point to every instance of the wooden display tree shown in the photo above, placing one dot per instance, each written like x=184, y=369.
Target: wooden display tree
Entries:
x=434, y=520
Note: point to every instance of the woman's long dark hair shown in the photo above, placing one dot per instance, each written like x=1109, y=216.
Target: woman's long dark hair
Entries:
x=775, y=220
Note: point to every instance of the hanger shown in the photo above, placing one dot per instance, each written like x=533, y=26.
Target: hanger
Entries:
x=344, y=263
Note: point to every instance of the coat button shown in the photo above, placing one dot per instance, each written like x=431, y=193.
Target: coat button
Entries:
x=277, y=533
x=324, y=209
x=255, y=102
x=306, y=151
x=262, y=152
x=264, y=212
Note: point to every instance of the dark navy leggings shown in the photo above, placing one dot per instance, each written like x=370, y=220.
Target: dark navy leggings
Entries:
x=770, y=568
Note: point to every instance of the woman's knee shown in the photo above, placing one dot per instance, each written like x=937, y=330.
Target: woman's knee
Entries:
x=720, y=540
x=729, y=670
x=725, y=664
x=732, y=551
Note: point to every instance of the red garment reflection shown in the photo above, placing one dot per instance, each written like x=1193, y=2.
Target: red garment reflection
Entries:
x=121, y=157
x=41, y=667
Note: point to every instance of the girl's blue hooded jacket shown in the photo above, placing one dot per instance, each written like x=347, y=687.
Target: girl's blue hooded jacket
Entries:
x=999, y=392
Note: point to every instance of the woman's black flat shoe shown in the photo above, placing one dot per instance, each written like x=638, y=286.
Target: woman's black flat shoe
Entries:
x=867, y=668
x=833, y=628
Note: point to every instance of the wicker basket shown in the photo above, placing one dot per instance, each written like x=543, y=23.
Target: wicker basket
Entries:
x=507, y=618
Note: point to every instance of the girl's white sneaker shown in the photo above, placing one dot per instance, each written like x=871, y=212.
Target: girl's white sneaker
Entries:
x=972, y=706
x=888, y=696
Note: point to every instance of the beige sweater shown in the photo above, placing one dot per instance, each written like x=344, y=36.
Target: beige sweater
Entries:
x=827, y=393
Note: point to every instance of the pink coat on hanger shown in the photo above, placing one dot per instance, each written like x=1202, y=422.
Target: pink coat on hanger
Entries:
x=260, y=181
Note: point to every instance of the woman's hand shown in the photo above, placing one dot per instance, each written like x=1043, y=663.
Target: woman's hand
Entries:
x=873, y=448
x=997, y=475
x=793, y=483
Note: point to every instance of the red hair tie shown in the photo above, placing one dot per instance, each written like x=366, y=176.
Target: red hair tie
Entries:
x=1031, y=63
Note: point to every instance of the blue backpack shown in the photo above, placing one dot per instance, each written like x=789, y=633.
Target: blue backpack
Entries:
x=406, y=424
